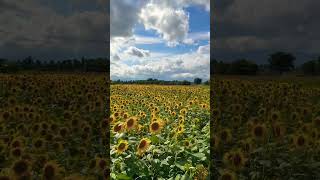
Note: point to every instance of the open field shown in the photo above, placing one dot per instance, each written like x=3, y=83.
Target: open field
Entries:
x=53, y=126
x=265, y=128
x=160, y=131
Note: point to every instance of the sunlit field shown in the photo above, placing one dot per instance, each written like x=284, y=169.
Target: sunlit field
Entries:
x=266, y=129
x=53, y=126
x=160, y=132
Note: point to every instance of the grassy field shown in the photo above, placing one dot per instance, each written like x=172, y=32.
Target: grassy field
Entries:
x=265, y=127
x=53, y=126
x=160, y=131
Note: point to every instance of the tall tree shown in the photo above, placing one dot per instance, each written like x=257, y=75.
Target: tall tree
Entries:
x=281, y=62
x=197, y=81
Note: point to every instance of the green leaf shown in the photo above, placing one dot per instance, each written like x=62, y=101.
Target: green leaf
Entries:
x=178, y=177
x=199, y=155
x=185, y=177
x=180, y=166
x=123, y=177
x=154, y=139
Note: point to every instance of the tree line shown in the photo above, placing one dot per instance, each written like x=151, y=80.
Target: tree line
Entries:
x=67, y=65
x=278, y=63
x=196, y=81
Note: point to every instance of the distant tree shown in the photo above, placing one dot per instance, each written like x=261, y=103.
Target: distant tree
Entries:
x=197, y=81
x=281, y=62
x=219, y=67
x=185, y=82
x=243, y=67
x=309, y=67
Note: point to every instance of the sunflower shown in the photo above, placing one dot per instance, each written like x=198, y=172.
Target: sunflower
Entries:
x=275, y=116
x=131, y=123
x=118, y=128
x=180, y=129
x=51, y=170
x=122, y=146
x=238, y=160
x=20, y=167
x=143, y=146
x=155, y=127
x=112, y=119
x=16, y=152
x=17, y=142
x=259, y=131
x=187, y=143
x=102, y=163
x=183, y=111
x=125, y=115
x=38, y=144
x=300, y=141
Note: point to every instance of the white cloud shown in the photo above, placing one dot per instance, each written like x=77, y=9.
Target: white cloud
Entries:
x=175, y=66
x=134, y=51
x=147, y=40
x=198, y=36
x=204, y=49
x=172, y=24
x=183, y=75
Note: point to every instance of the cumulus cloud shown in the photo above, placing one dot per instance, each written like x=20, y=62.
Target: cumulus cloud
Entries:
x=137, y=52
x=172, y=24
x=123, y=17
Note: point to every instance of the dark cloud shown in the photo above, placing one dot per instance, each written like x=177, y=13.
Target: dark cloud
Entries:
x=247, y=27
x=52, y=31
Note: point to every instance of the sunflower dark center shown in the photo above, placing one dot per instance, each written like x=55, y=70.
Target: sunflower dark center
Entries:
x=130, y=122
x=20, y=167
x=258, y=131
x=301, y=141
x=142, y=144
x=237, y=159
x=155, y=126
x=49, y=171
x=122, y=146
x=117, y=128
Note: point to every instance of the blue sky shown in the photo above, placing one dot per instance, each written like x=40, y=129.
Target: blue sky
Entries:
x=160, y=39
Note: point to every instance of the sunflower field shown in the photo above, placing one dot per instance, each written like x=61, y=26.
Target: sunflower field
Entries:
x=265, y=129
x=159, y=132
x=53, y=126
